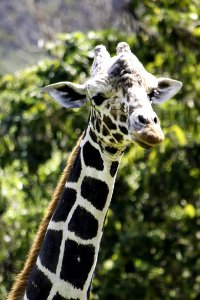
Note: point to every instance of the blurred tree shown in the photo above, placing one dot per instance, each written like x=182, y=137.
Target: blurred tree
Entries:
x=26, y=25
x=151, y=244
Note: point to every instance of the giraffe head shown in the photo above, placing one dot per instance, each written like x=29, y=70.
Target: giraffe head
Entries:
x=121, y=93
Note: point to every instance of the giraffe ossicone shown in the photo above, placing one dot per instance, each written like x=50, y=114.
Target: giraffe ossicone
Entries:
x=120, y=93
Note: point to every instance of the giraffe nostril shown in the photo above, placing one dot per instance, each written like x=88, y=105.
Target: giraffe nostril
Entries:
x=146, y=121
x=142, y=120
x=155, y=120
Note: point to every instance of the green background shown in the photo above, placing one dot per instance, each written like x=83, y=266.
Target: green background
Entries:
x=151, y=244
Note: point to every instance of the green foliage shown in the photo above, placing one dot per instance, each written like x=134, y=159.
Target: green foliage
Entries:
x=151, y=244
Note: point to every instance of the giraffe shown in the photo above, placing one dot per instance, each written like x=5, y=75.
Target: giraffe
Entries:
x=120, y=93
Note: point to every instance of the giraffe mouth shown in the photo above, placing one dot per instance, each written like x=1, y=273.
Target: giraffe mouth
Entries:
x=149, y=137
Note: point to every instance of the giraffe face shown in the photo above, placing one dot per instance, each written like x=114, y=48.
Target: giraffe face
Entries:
x=121, y=93
x=124, y=114
x=121, y=99
x=111, y=117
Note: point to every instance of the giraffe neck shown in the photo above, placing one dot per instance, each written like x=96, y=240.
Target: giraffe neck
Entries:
x=68, y=255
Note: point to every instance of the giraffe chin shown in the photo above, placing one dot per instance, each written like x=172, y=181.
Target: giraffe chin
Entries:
x=143, y=145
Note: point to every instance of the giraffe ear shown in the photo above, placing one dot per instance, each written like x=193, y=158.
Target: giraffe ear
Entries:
x=166, y=89
x=67, y=94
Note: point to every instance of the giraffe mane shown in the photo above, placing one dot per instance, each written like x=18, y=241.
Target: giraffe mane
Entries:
x=19, y=286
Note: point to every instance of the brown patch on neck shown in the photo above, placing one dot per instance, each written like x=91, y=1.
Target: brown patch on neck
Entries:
x=18, y=289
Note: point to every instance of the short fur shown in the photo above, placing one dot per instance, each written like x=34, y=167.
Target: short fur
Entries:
x=18, y=289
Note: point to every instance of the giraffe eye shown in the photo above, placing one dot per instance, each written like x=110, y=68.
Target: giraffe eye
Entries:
x=153, y=94
x=99, y=99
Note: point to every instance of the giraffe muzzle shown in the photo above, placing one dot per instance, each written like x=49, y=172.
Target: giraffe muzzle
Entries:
x=149, y=136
